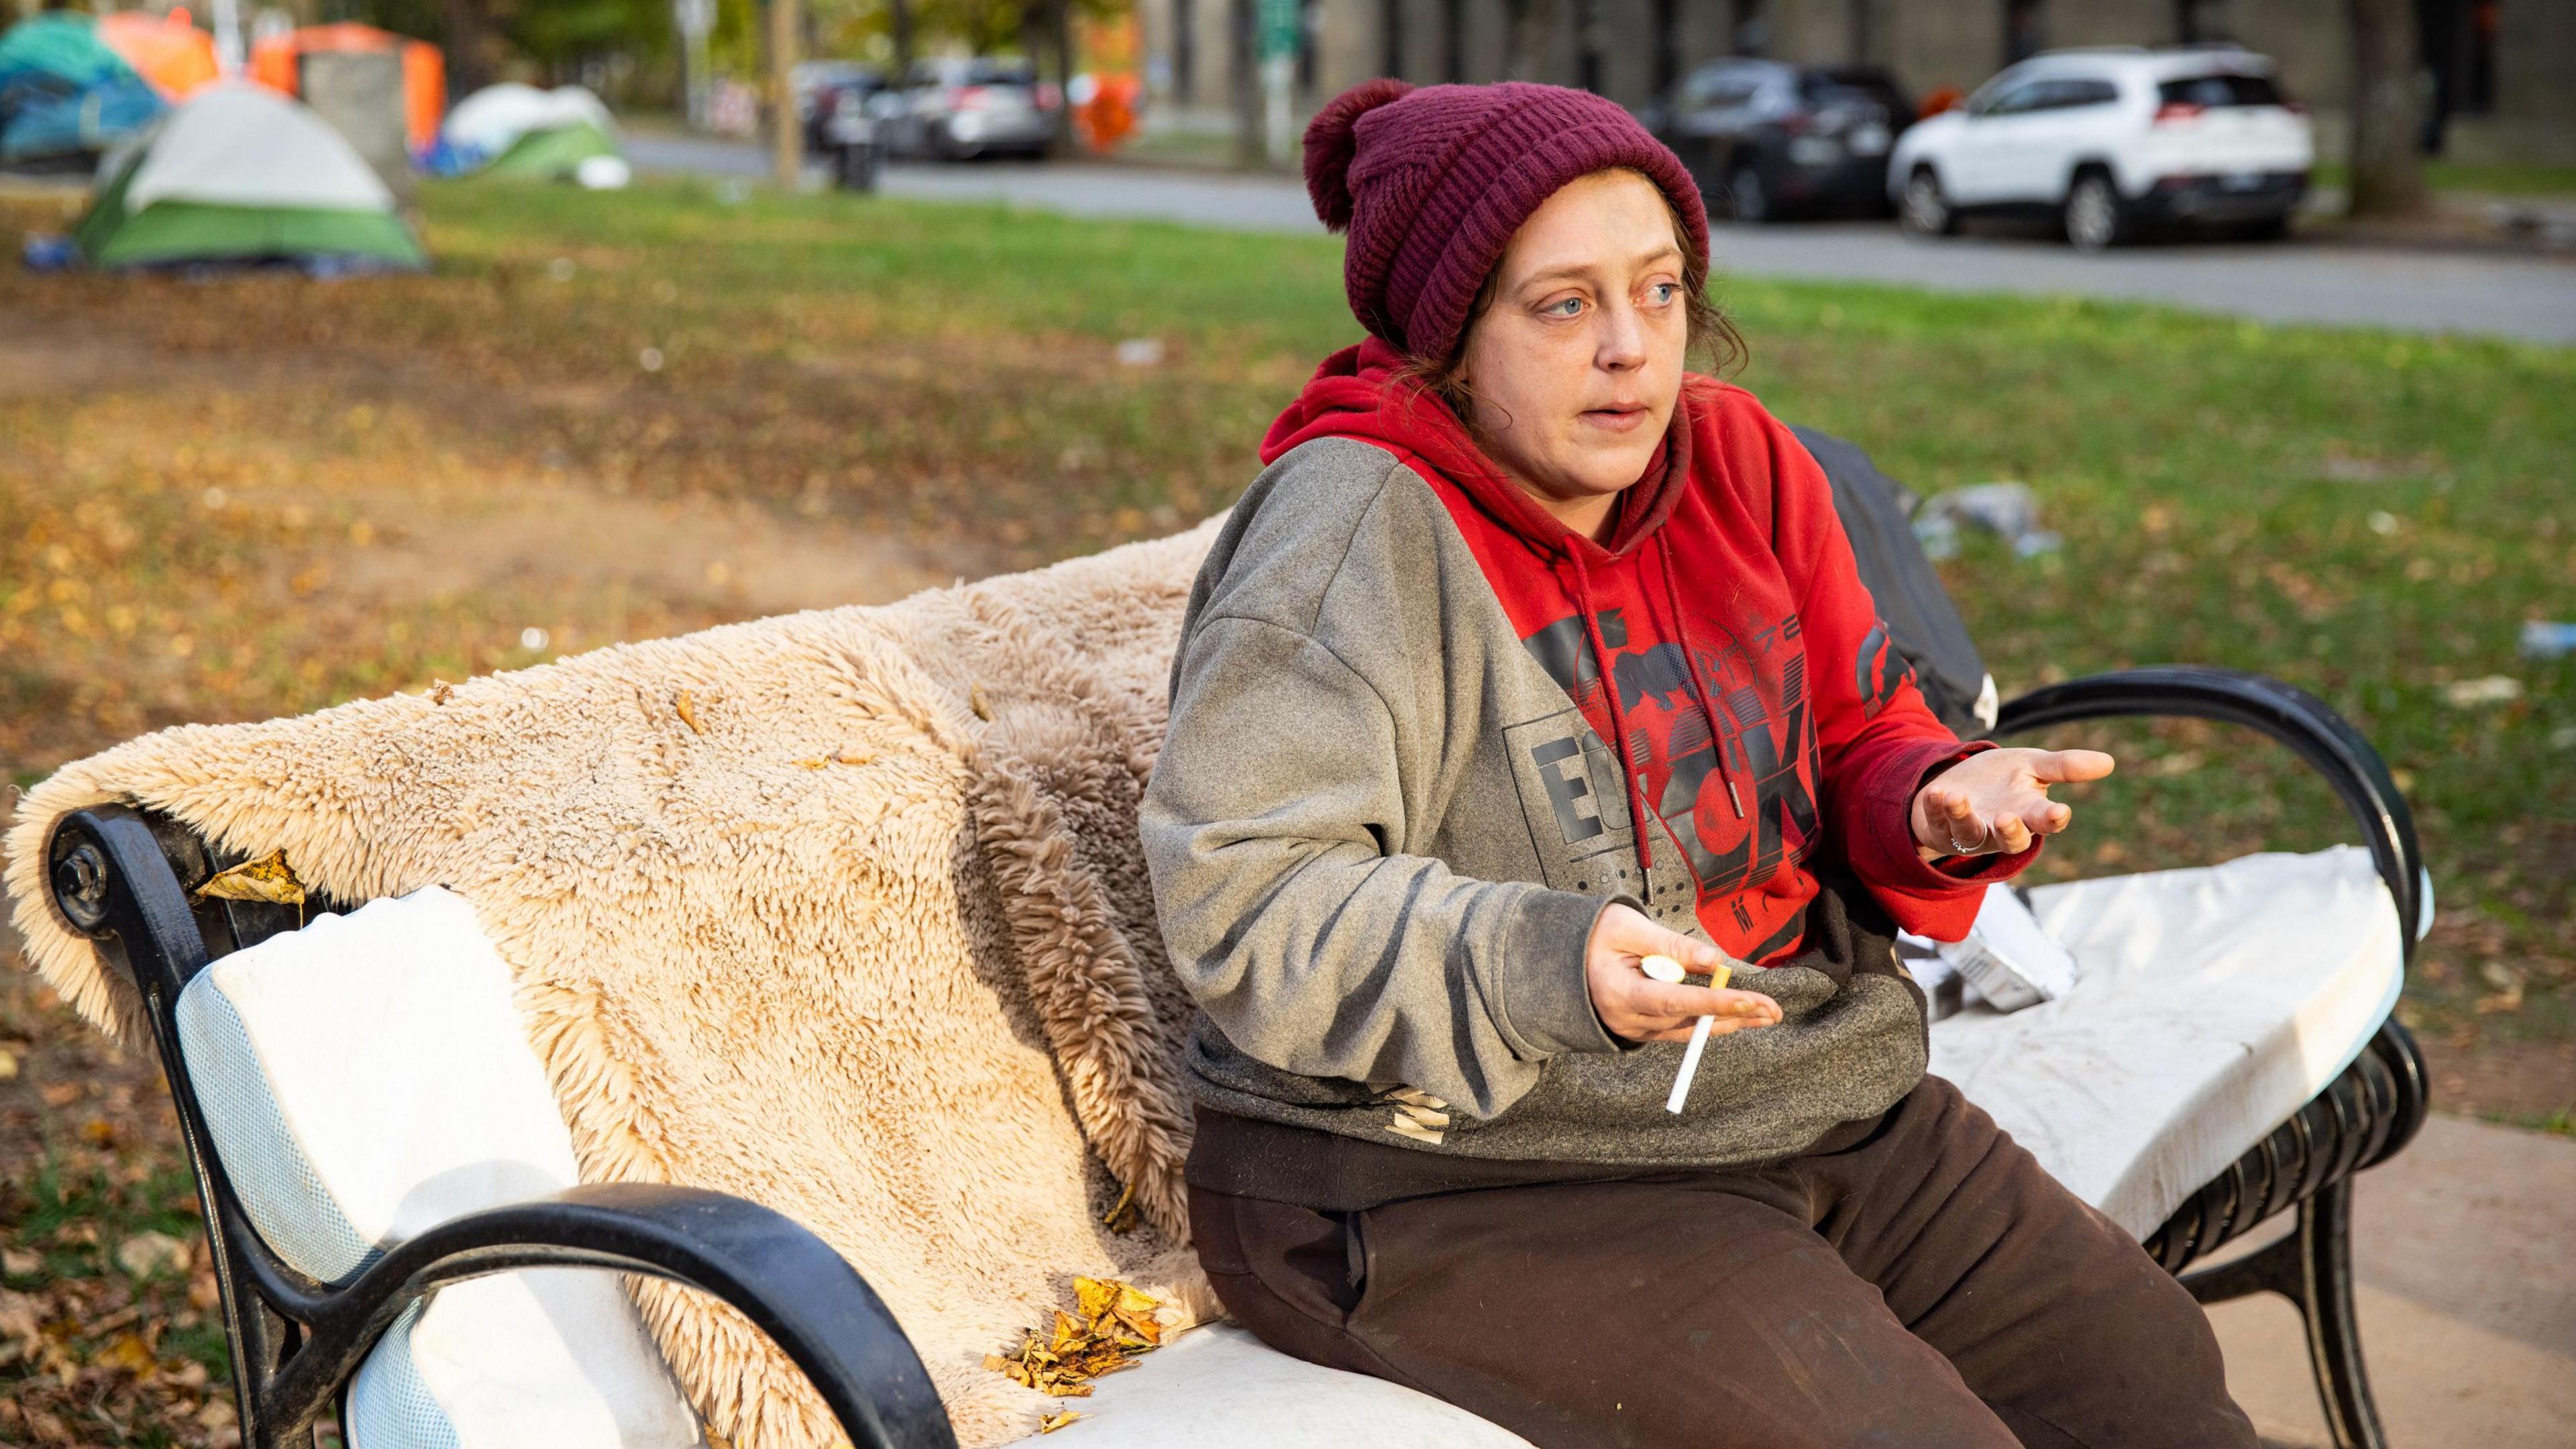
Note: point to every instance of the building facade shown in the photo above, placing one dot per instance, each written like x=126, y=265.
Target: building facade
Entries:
x=2501, y=73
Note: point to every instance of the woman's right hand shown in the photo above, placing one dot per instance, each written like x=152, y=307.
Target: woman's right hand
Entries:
x=1637, y=1007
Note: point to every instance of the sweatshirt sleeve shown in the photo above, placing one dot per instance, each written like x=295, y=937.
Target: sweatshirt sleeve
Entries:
x=1272, y=829
x=1879, y=741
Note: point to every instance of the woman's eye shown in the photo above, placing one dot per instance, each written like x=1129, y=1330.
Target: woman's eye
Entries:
x=1571, y=306
x=1664, y=292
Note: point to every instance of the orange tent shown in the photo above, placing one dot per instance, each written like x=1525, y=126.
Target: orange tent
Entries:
x=273, y=63
x=172, y=53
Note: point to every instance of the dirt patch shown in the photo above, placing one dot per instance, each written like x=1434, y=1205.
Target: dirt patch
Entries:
x=2525, y=1083
x=710, y=554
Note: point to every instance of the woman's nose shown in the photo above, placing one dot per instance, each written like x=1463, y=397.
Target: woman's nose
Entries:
x=1622, y=345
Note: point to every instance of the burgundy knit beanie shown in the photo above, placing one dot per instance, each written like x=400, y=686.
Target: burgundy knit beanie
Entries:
x=1432, y=183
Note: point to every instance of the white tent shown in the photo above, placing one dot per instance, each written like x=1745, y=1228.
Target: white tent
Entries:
x=492, y=120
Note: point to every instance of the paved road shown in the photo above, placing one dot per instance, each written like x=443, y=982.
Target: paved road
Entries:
x=2505, y=295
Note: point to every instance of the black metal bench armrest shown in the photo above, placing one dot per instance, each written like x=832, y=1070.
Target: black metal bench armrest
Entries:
x=2307, y=724
x=122, y=876
x=2370, y=1112
x=788, y=1282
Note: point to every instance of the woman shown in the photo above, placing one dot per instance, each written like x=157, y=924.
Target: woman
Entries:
x=1531, y=656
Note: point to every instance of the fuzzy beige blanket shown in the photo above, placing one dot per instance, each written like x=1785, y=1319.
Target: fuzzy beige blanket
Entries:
x=841, y=911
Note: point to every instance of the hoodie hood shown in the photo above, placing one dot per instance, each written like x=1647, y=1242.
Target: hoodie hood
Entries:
x=1361, y=393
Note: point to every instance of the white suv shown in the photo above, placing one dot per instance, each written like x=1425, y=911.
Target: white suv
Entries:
x=2113, y=141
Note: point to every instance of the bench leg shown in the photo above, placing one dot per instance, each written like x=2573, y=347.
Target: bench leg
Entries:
x=2312, y=1267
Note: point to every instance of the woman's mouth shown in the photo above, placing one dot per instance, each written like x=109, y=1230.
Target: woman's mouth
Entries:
x=1617, y=418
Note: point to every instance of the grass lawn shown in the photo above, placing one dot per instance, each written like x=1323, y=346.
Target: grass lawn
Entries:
x=2500, y=178
x=615, y=416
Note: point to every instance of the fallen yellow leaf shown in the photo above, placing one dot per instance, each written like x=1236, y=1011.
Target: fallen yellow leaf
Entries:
x=1121, y=1217
x=688, y=711
x=1115, y=1322
x=127, y=1352
x=268, y=878
x=1049, y=1423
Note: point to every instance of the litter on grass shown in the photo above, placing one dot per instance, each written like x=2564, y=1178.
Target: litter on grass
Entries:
x=2492, y=689
x=2007, y=510
x=2547, y=639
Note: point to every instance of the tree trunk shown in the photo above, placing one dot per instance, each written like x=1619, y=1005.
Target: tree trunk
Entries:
x=1249, y=143
x=786, y=132
x=1060, y=40
x=1533, y=33
x=2387, y=157
x=900, y=12
x=469, y=46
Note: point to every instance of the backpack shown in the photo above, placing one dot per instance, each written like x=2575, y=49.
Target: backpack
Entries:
x=1877, y=514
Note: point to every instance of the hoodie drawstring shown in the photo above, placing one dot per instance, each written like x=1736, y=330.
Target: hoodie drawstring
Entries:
x=1632, y=784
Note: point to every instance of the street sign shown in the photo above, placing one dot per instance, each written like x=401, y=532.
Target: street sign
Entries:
x=1280, y=27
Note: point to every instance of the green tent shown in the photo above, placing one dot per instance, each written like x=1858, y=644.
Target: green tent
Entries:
x=553, y=155
x=241, y=173
x=516, y=130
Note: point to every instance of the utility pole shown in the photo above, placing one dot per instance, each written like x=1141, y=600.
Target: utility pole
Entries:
x=695, y=19
x=786, y=135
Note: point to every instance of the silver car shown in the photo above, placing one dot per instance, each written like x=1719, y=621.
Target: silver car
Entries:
x=957, y=109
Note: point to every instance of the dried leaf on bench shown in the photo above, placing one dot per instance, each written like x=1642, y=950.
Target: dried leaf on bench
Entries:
x=268, y=879
x=1049, y=1423
x=1112, y=1301
x=1113, y=1324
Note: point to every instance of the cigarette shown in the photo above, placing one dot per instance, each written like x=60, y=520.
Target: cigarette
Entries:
x=1690, y=1067
x=1717, y=980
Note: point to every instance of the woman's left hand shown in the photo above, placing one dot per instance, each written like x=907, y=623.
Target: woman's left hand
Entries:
x=1994, y=801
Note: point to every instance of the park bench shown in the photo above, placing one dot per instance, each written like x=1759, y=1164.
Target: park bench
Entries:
x=2227, y=1055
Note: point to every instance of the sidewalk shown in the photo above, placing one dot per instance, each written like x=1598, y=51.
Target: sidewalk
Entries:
x=2465, y=1246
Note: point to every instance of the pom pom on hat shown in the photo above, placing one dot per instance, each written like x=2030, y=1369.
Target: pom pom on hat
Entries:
x=1332, y=139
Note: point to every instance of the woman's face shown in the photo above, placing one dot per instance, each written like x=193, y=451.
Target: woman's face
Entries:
x=1575, y=367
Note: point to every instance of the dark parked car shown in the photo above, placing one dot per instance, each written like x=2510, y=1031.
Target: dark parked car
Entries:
x=1767, y=140
x=817, y=82
x=846, y=130
x=842, y=125
x=957, y=109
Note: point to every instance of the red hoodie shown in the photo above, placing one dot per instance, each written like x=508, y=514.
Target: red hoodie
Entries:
x=1727, y=593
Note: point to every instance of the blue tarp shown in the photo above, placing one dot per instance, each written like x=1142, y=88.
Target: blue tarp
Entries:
x=64, y=93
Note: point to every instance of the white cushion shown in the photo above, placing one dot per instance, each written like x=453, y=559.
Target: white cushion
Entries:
x=1221, y=1388
x=2208, y=1006
x=368, y=1077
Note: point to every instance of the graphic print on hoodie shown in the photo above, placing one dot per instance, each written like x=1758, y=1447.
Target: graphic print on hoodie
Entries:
x=1751, y=697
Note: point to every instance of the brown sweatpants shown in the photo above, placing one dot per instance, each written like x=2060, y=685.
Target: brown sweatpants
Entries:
x=1931, y=1287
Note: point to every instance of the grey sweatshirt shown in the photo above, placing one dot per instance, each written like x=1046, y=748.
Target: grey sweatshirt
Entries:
x=1367, y=884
